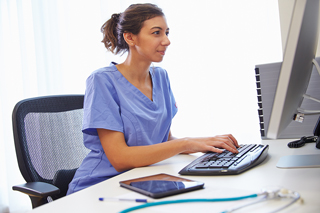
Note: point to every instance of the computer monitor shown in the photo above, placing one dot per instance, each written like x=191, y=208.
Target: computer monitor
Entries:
x=298, y=57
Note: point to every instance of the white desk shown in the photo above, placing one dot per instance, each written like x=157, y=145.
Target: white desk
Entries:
x=306, y=181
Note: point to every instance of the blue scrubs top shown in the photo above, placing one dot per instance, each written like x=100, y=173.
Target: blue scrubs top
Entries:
x=112, y=102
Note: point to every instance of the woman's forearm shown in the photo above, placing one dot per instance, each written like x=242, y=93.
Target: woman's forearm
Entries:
x=122, y=157
x=139, y=156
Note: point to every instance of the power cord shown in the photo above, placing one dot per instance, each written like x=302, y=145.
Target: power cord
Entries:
x=302, y=141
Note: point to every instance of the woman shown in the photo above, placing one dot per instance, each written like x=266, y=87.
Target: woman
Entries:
x=129, y=107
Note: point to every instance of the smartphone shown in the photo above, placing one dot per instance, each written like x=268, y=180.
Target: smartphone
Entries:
x=161, y=185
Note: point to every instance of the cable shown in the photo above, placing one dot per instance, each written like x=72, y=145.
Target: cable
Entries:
x=311, y=112
x=187, y=201
x=316, y=65
x=302, y=141
x=311, y=98
x=308, y=112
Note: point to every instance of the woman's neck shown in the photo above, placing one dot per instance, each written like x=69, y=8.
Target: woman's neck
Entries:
x=138, y=75
x=134, y=70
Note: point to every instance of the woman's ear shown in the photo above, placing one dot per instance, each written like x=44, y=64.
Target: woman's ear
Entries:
x=129, y=38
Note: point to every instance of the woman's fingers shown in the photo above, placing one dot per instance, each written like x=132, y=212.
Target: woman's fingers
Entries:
x=234, y=140
x=213, y=144
x=227, y=142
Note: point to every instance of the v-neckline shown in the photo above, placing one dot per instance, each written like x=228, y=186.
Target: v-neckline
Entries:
x=137, y=91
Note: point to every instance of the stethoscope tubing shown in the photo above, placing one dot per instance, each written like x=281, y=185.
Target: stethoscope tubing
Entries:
x=264, y=196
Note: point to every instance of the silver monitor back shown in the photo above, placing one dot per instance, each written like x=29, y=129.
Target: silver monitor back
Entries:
x=297, y=65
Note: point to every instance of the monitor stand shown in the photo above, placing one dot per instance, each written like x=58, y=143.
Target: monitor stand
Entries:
x=299, y=161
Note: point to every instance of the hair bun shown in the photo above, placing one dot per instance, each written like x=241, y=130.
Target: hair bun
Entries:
x=116, y=16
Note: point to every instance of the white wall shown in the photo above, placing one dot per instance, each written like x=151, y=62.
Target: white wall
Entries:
x=211, y=64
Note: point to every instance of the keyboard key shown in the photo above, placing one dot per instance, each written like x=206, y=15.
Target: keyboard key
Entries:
x=227, y=164
x=216, y=164
x=203, y=165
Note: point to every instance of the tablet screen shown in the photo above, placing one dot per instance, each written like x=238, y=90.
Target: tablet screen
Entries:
x=161, y=185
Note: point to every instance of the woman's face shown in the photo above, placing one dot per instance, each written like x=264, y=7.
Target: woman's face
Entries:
x=152, y=41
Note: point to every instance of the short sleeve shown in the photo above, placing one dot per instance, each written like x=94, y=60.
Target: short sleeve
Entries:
x=174, y=106
x=101, y=105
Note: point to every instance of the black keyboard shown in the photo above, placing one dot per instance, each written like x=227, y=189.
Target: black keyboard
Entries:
x=227, y=163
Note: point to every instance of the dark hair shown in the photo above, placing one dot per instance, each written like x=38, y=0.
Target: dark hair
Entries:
x=130, y=21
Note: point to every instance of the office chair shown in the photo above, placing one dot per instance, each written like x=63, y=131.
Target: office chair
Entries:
x=49, y=144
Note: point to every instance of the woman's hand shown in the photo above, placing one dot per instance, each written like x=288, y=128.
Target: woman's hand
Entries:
x=211, y=144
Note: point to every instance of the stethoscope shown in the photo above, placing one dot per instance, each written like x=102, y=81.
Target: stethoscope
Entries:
x=266, y=194
x=272, y=194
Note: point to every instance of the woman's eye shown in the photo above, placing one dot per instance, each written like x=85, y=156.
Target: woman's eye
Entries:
x=167, y=33
x=156, y=32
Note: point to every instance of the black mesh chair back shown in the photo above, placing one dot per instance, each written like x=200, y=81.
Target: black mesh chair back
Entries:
x=48, y=140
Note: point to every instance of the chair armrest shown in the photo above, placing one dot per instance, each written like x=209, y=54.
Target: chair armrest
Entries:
x=37, y=189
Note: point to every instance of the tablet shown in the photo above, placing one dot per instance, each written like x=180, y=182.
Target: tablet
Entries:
x=161, y=185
